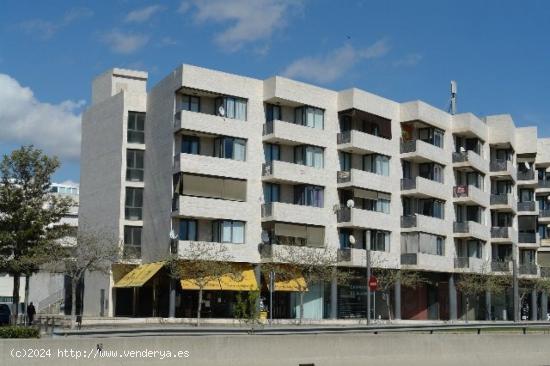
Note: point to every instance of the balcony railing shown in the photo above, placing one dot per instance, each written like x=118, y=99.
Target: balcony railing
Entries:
x=544, y=184
x=131, y=251
x=460, y=191
x=499, y=199
x=133, y=213
x=526, y=175
x=408, y=221
x=343, y=176
x=344, y=255
x=462, y=262
x=460, y=227
x=498, y=165
x=500, y=266
x=544, y=213
x=545, y=272
x=267, y=210
x=527, y=237
x=409, y=258
x=343, y=215
x=500, y=232
x=266, y=250
x=267, y=169
x=343, y=137
x=408, y=146
x=527, y=206
x=528, y=269
x=408, y=183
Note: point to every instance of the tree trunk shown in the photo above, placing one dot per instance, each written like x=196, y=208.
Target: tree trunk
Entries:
x=301, y=307
x=15, y=298
x=199, y=307
x=467, y=307
x=27, y=280
x=73, y=302
x=388, y=304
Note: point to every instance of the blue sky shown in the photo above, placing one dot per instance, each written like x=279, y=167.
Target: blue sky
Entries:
x=498, y=51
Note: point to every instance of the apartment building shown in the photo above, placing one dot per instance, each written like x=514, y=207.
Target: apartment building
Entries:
x=257, y=165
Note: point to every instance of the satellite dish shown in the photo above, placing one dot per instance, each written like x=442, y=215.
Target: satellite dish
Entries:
x=352, y=240
x=173, y=235
x=527, y=165
x=221, y=111
x=548, y=198
x=350, y=203
x=462, y=149
x=265, y=237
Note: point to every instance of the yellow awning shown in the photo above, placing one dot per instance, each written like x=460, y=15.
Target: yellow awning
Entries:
x=296, y=284
x=243, y=279
x=139, y=275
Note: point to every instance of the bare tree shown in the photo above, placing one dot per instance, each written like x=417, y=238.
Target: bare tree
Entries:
x=388, y=277
x=201, y=265
x=313, y=264
x=92, y=251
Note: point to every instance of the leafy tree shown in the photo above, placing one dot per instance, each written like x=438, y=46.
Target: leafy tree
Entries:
x=201, y=265
x=93, y=251
x=28, y=215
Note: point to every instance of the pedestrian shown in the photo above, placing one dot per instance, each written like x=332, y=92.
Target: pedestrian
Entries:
x=30, y=313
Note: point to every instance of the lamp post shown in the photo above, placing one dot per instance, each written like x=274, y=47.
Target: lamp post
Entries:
x=172, y=299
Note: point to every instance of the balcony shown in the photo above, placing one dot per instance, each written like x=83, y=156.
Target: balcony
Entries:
x=211, y=208
x=296, y=214
x=528, y=238
x=545, y=272
x=527, y=178
x=363, y=143
x=501, y=167
x=212, y=124
x=503, y=235
x=288, y=133
x=358, y=218
x=424, y=223
x=528, y=208
x=501, y=265
x=470, y=159
x=285, y=172
x=424, y=188
x=544, y=216
x=422, y=152
x=462, y=262
x=209, y=165
x=427, y=261
x=543, y=186
x=528, y=269
x=503, y=202
x=470, y=195
x=471, y=229
x=362, y=179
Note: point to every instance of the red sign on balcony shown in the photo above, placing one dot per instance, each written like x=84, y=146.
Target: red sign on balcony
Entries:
x=461, y=191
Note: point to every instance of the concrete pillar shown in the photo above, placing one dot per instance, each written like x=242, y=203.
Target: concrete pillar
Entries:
x=488, y=303
x=543, y=305
x=397, y=299
x=172, y=300
x=534, y=308
x=334, y=295
x=452, y=298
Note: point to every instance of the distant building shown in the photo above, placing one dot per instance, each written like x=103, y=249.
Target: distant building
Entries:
x=238, y=162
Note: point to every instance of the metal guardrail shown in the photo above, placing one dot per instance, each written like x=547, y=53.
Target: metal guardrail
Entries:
x=528, y=269
x=267, y=210
x=498, y=165
x=544, y=213
x=343, y=214
x=267, y=169
x=544, y=272
x=409, y=258
x=343, y=176
x=344, y=255
x=343, y=137
x=408, y=221
x=461, y=227
x=131, y=251
x=499, y=199
x=462, y=262
x=460, y=191
x=408, y=146
x=268, y=128
x=527, y=237
x=408, y=183
x=544, y=184
x=526, y=175
x=500, y=232
x=460, y=157
x=530, y=206
x=500, y=266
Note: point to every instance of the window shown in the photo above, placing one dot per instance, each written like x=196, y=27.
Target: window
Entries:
x=345, y=161
x=431, y=171
x=310, y=117
x=379, y=240
x=271, y=192
x=475, y=179
x=134, y=165
x=431, y=135
x=191, y=103
x=440, y=245
x=309, y=156
x=134, y=204
x=132, y=235
x=308, y=196
x=377, y=164
x=431, y=207
x=234, y=107
x=188, y=230
x=474, y=248
x=190, y=145
x=136, y=128
x=271, y=152
x=525, y=195
x=230, y=148
x=343, y=237
x=226, y=231
x=273, y=112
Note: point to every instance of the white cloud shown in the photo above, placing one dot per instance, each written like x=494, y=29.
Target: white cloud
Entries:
x=409, y=60
x=121, y=42
x=25, y=120
x=46, y=29
x=143, y=14
x=330, y=67
x=249, y=20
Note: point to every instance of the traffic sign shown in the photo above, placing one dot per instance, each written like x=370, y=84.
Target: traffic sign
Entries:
x=373, y=283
